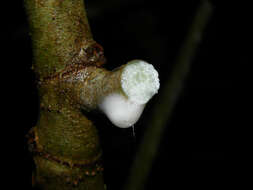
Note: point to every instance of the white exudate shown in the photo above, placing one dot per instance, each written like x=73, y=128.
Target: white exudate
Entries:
x=139, y=83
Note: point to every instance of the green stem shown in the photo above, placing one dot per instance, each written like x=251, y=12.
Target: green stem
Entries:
x=59, y=31
x=64, y=141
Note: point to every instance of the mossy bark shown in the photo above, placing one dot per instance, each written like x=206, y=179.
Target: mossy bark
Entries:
x=66, y=61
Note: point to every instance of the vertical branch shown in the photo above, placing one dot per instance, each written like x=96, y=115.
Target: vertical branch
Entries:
x=65, y=143
x=162, y=111
x=60, y=33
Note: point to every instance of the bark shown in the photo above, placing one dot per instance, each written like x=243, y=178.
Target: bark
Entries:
x=67, y=64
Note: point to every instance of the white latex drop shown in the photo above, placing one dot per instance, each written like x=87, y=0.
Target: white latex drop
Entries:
x=139, y=82
x=120, y=111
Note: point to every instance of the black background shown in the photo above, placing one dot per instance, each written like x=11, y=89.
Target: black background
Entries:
x=194, y=145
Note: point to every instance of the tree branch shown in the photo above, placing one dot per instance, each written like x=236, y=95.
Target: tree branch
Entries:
x=67, y=62
x=60, y=34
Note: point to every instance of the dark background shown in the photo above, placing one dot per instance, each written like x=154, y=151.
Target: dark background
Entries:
x=194, y=145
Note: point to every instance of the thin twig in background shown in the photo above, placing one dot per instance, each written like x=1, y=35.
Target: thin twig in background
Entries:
x=169, y=95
